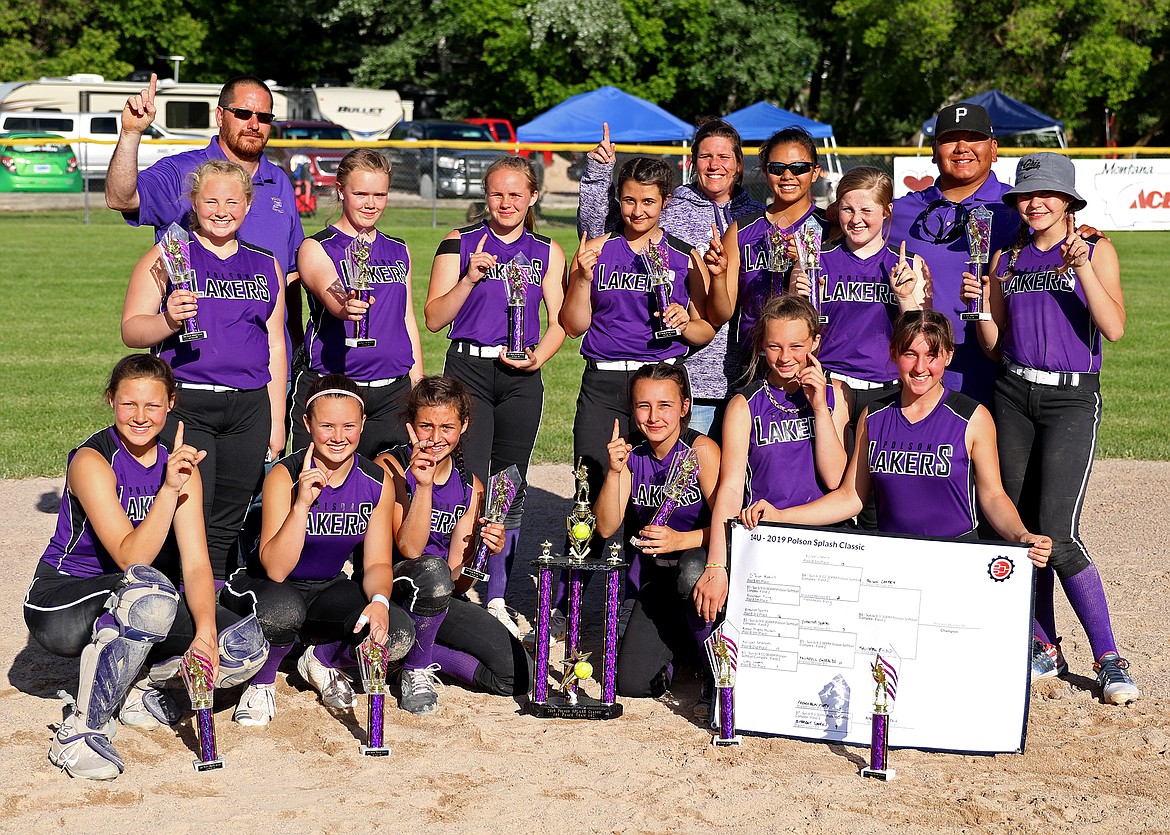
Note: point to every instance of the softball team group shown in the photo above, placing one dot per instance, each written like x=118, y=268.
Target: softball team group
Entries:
x=817, y=398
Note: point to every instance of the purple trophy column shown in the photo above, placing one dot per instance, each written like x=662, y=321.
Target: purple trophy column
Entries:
x=609, y=676
x=879, y=741
x=206, y=722
x=727, y=713
x=543, y=603
x=375, y=713
x=573, y=639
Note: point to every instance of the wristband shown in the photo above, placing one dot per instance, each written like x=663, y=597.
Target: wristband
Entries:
x=715, y=565
x=381, y=598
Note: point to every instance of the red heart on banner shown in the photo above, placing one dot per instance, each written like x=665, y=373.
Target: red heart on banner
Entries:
x=918, y=183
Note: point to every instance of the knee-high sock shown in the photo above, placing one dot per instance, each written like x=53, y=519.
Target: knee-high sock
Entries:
x=700, y=628
x=422, y=650
x=1044, y=623
x=499, y=566
x=336, y=655
x=1087, y=596
x=267, y=673
x=461, y=666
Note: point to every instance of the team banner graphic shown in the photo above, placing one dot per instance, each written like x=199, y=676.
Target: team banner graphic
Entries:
x=815, y=607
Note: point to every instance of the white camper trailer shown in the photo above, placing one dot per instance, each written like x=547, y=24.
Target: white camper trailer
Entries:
x=365, y=113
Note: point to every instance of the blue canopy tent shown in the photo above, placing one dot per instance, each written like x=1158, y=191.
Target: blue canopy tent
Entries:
x=631, y=120
x=1009, y=117
x=758, y=121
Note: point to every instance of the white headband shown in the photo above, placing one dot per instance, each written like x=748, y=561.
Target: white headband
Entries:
x=338, y=393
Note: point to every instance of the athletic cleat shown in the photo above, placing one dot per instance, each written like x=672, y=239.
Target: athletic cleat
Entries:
x=419, y=690
x=333, y=685
x=1047, y=660
x=257, y=706
x=82, y=752
x=499, y=611
x=702, y=709
x=1117, y=688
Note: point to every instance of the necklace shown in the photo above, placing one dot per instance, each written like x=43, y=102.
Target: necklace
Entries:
x=786, y=409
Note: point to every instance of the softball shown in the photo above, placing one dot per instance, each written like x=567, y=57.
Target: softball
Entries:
x=581, y=531
x=582, y=669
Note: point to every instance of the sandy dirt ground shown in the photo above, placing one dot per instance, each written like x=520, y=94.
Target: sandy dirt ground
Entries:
x=479, y=765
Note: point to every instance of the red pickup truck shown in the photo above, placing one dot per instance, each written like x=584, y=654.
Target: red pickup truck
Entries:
x=503, y=131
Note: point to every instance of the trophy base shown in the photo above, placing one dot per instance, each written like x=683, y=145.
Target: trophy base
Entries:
x=360, y=343
x=193, y=336
x=515, y=355
x=587, y=707
x=380, y=751
x=208, y=765
x=475, y=574
x=726, y=742
x=975, y=317
x=884, y=774
x=668, y=333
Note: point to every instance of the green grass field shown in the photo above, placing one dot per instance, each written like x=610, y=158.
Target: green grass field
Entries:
x=62, y=283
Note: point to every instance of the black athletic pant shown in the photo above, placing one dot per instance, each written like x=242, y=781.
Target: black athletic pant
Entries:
x=385, y=413
x=504, y=667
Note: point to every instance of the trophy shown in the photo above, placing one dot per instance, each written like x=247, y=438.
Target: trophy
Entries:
x=779, y=263
x=515, y=272
x=681, y=477
x=197, y=676
x=660, y=287
x=808, y=246
x=372, y=660
x=722, y=651
x=886, y=679
x=357, y=259
x=502, y=489
x=978, y=229
x=569, y=702
x=176, y=248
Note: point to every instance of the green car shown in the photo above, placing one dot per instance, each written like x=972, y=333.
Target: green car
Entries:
x=37, y=166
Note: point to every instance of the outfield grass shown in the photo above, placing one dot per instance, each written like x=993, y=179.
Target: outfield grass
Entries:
x=62, y=283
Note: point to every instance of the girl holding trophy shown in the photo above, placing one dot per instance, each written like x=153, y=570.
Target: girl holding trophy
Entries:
x=436, y=505
x=106, y=587
x=1054, y=295
x=488, y=282
x=361, y=313
x=232, y=378
x=661, y=491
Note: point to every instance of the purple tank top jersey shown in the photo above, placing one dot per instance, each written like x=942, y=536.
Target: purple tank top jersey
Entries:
x=649, y=480
x=861, y=307
x=781, y=460
x=448, y=503
x=757, y=283
x=623, y=321
x=325, y=335
x=921, y=473
x=74, y=548
x=338, y=519
x=236, y=297
x=483, y=318
x=1049, y=326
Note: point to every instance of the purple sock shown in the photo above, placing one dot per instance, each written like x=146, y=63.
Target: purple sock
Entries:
x=422, y=650
x=700, y=628
x=1087, y=596
x=459, y=665
x=336, y=655
x=499, y=566
x=1044, y=623
x=267, y=673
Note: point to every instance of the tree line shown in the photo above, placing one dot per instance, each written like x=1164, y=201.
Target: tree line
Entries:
x=872, y=68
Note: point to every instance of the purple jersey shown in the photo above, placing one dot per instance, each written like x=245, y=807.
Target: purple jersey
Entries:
x=921, y=474
x=483, y=318
x=1048, y=324
x=861, y=307
x=236, y=296
x=934, y=228
x=757, y=283
x=75, y=549
x=781, y=459
x=325, y=336
x=623, y=323
x=338, y=519
x=648, y=482
x=449, y=501
x=272, y=223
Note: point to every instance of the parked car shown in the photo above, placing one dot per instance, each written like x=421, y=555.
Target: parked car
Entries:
x=322, y=162
x=49, y=166
x=502, y=131
x=451, y=172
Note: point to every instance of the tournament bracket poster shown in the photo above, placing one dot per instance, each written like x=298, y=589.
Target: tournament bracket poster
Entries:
x=814, y=606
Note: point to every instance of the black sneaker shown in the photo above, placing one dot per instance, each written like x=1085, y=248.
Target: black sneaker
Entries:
x=1117, y=688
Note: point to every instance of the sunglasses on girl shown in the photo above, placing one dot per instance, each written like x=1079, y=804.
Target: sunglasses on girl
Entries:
x=243, y=114
x=777, y=169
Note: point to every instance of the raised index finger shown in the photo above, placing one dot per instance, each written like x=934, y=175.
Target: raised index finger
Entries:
x=902, y=252
x=153, y=85
x=616, y=430
x=410, y=434
x=308, y=465
x=179, y=435
x=1071, y=224
x=605, y=132
x=482, y=241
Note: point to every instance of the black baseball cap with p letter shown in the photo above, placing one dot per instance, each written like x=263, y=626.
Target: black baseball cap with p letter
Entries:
x=963, y=116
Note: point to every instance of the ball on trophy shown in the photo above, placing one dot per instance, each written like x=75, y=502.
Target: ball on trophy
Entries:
x=583, y=670
x=581, y=531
